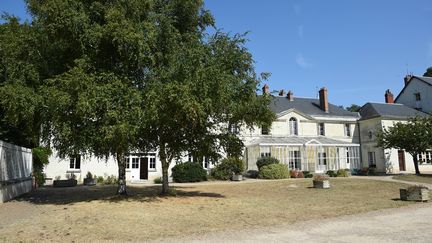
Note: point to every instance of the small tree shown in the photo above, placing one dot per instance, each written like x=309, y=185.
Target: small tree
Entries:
x=414, y=137
x=428, y=72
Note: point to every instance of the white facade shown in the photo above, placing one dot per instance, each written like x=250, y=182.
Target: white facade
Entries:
x=417, y=94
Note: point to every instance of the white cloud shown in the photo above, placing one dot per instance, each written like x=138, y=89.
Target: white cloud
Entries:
x=297, y=9
x=301, y=61
x=300, y=31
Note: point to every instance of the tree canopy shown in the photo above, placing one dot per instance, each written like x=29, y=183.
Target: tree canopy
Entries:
x=413, y=136
x=110, y=77
x=428, y=72
x=353, y=108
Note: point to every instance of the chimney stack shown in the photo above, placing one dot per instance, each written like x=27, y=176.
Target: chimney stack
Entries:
x=323, y=98
x=290, y=96
x=407, y=78
x=266, y=89
x=389, y=99
x=282, y=92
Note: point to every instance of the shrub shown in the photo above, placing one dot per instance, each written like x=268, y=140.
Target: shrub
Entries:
x=320, y=177
x=274, y=171
x=189, y=172
x=331, y=173
x=158, y=180
x=100, y=179
x=342, y=173
x=228, y=167
x=296, y=174
x=266, y=161
x=307, y=174
x=40, y=159
x=111, y=180
x=252, y=174
x=89, y=175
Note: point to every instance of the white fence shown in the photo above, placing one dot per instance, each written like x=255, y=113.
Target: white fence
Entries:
x=15, y=171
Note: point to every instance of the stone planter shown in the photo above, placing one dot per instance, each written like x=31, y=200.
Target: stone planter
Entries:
x=89, y=181
x=414, y=194
x=237, y=177
x=65, y=183
x=321, y=184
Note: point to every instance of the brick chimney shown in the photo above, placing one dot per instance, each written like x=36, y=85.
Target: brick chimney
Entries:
x=266, y=89
x=407, y=78
x=290, y=95
x=389, y=99
x=323, y=98
x=282, y=92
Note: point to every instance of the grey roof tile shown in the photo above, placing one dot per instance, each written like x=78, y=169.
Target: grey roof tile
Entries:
x=295, y=140
x=392, y=111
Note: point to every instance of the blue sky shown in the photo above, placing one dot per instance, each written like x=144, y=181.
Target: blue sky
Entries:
x=357, y=49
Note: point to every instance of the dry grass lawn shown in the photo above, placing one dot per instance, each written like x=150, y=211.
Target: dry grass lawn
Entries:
x=93, y=213
x=426, y=178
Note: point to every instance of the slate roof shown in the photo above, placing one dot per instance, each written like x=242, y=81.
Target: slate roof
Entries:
x=308, y=106
x=427, y=80
x=294, y=140
x=390, y=111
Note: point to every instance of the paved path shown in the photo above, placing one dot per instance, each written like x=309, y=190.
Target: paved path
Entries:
x=408, y=224
x=390, y=178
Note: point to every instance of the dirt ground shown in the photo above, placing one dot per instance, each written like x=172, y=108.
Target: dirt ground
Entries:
x=95, y=214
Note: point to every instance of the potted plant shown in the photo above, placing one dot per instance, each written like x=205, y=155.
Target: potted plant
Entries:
x=90, y=180
x=237, y=168
x=321, y=181
x=70, y=182
x=415, y=193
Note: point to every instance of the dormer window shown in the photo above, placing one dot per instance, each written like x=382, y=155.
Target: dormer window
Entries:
x=370, y=134
x=321, y=129
x=293, y=126
x=265, y=130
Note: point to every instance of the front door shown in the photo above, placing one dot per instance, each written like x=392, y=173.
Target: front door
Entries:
x=144, y=168
x=322, y=162
x=401, y=155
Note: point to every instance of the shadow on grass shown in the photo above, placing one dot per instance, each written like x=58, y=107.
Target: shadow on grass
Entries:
x=70, y=195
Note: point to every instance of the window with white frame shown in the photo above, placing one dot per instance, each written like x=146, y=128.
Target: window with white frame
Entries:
x=322, y=158
x=233, y=128
x=348, y=130
x=265, y=151
x=425, y=158
x=293, y=126
x=206, y=162
x=321, y=129
x=135, y=163
x=370, y=134
x=127, y=162
x=75, y=162
x=152, y=164
x=371, y=158
x=294, y=160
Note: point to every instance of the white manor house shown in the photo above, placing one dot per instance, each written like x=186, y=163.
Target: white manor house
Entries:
x=309, y=134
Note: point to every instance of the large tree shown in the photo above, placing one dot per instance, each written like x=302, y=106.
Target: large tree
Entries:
x=198, y=85
x=413, y=136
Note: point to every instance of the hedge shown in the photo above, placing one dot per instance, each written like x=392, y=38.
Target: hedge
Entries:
x=274, y=171
x=189, y=172
x=266, y=161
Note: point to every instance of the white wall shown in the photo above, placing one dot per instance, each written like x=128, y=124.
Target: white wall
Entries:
x=15, y=171
x=417, y=86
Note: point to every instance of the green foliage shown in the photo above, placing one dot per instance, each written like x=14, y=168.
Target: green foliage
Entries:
x=158, y=180
x=413, y=136
x=227, y=168
x=353, y=108
x=252, y=174
x=40, y=160
x=100, y=179
x=428, y=72
x=111, y=180
x=307, y=174
x=274, y=171
x=331, y=173
x=343, y=173
x=266, y=161
x=89, y=175
x=189, y=172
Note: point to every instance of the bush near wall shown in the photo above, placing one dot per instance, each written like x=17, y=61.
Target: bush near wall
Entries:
x=296, y=174
x=266, y=161
x=40, y=159
x=227, y=168
x=189, y=172
x=338, y=173
x=274, y=171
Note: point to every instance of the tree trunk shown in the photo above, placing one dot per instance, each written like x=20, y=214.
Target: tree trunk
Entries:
x=121, y=190
x=417, y=171
x=165, y=165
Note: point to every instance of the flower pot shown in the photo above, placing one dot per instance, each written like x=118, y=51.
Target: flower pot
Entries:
x=237, y=177
x=414, y=194
x=321, y=184
x=65, y=183
x=89, y=181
